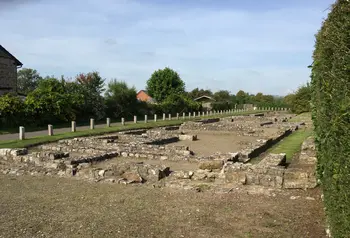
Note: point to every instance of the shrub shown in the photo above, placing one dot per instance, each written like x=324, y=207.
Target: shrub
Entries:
x=176, y=103
x=330, y=84
x=11, y=110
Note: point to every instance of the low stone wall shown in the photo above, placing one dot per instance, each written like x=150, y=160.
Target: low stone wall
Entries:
x=124, y=172
x=269, y=172
x=308, y=152
x=299, y=178
x=302, y=172
x=262, y=146
x=13, y=152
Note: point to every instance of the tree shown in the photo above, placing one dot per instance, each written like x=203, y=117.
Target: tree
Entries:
x=222, y=96
x=302, y=97
x=289, y=99
x=330, y=100
x=196, y=93
x=91, y=87
x=50, y=102
x=27, y=80
x=241, y=97
x=299, y=101
x=259, y=98
x=163, y=83
x=93, y=81
x=120, y=99
x=177, y=103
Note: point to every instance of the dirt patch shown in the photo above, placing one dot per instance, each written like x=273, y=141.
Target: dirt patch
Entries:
x=208, y=143
x=58, y=207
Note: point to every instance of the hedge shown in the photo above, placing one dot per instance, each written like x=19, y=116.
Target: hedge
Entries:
x=330, y=85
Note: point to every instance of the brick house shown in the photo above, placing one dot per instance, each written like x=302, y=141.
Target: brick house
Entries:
x=8, y=71
x=143, y=96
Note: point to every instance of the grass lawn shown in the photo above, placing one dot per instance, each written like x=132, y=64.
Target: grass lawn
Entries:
x=98, y=131
x=29, y=128
x=292, y=144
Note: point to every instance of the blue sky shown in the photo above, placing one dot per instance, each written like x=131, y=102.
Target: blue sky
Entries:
x=258, y=46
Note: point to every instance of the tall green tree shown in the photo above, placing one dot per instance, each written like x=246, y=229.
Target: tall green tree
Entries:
x=222, y=96
x=27, y=80
x=242, y=97
x=163, y=83
x=259, y=98
x=120, y=99
x=178, y=103
x=92, y=87
x=301, y=99
x=330, y=85
x=196, y=93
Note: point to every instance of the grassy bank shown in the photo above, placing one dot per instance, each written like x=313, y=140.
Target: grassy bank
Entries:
x=98, y=131
x=291, y=144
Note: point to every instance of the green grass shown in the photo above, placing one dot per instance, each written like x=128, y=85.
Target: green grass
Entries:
x=99, y=131
x=301, y=117
x=291, y=144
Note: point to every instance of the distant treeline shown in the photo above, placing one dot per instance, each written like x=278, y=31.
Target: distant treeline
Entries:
x=50, y=100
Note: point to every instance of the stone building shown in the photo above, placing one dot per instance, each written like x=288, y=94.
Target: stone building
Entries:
x=8, y=71
x=206, y=102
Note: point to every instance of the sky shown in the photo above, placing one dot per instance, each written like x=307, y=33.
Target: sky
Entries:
x=251, y=45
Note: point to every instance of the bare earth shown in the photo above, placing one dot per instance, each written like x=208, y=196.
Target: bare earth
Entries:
x=208, y=142
x=60, y=207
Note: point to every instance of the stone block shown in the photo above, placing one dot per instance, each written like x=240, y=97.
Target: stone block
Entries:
x=4, y=152
x=279, y=182
x=182, y=174
x=156, y=172
x=276, y=171
x=238, y=177
x=188, y=137
x=199, y=175
x=298, y=178
x=267, y=180
x=211, y=164
x=252, y=178
x=132, y=177
x=186, y=152
x=18, y=152
x=273, y=160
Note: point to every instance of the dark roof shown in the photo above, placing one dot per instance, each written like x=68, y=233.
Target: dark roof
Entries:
x=18, y=63
x=204, y=96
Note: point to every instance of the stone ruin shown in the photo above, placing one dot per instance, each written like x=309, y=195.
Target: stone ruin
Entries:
x=141, y=156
